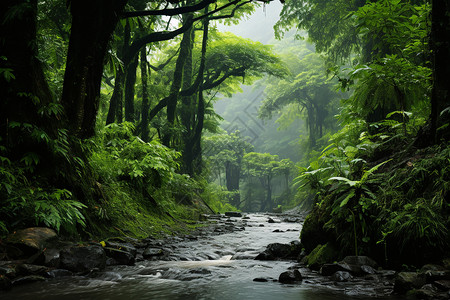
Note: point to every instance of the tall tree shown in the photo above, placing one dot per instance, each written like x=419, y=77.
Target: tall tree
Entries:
x=25, y=91
x=91, y=31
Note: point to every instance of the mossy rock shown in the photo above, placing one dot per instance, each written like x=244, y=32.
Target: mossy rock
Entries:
x=322, y=254
x=313, y=232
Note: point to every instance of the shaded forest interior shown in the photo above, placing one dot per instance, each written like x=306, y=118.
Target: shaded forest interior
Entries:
x=136, y=117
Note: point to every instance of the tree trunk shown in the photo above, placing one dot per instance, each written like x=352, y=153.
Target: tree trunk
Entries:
x=194, y=163
x=268, y=202
x=145, y=98
x=233, y=174
x=115, y=103
x=26, y=93
x=93, y=22
x=176, y=84
x=129, y=89
x=187, y=109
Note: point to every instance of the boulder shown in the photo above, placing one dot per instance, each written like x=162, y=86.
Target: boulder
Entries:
x=29, y=241
x=313, y=232
x=120, y=256
x=330, y=269
x=152, y=252
x=270, y=220
x=406, y=281
x=233, y=214
x=290, y=276
x=280, y=251
x=360, y=261
x=83, y=259
x=265, y=255
x=320, y=256
x=127, y=247
x=51, y=257
x=367, y=269
x=341, y=276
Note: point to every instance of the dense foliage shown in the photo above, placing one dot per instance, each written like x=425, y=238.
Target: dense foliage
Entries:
x=109, y=119
x=376, y=188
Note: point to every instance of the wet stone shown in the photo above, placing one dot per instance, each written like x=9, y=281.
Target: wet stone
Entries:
x=341, y=276
x=27, y=279
x=83, y=258
x=405, y=281
x=120, y=256
x=330, y=269
x=437, y=275
x=31, y=240
x=359, y=261
x=52, y=257
x=367, y=269
x=152, y=252
x=233, y=214
x=127, y=247
x=26, y=269
x=59, y=273
x=290, y=276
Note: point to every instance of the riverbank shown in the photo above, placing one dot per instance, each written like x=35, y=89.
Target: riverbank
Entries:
x=239, y=257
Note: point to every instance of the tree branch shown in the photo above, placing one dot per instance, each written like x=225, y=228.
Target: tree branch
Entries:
x=154, y=37
x=161, y=66
x=216, y=10
x=169, y=11
x=232, y=12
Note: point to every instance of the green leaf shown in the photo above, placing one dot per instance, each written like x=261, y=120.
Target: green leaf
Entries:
x=345, y=180
x=346, y=199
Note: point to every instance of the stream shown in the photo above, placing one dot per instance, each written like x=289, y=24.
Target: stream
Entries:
x=218, y=266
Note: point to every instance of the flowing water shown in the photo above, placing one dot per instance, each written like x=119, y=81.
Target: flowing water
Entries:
x=213, y=276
